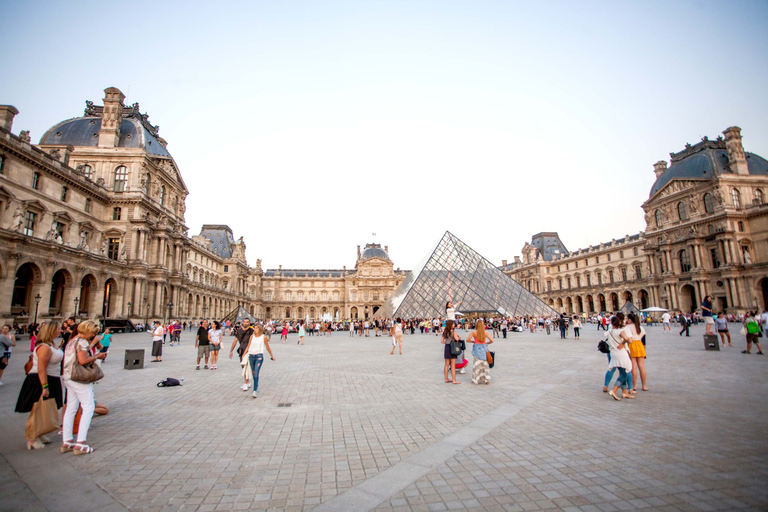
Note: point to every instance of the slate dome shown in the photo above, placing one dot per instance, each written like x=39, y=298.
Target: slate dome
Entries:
x=705, y=160
x=374, y=251
x=135, y=132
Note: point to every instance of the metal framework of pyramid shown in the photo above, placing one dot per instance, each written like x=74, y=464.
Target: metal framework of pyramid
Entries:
x=238, y=315
x=456, y=271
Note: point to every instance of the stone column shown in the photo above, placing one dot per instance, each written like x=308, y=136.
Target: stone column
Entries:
x=6, y=286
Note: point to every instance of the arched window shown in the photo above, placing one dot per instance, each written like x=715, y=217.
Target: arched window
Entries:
x=685, y=261
x=736, y=198
x=88, y=171
x=162, y=195
x=758, y=196
x=682, y=211
x=121, y=178
x=659, y=218
x=709, y=204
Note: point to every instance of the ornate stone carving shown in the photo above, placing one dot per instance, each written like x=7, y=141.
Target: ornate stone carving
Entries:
x=18, y=220
x=56, y=153
x=52, y=234
x=24, y=136
x=692, y=204
x=83, y=241
x=100, y=182
x=91, y=110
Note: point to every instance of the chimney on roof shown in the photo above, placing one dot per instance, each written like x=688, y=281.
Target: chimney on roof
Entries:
x=503, y=263
x=517, y=259
x=660, y=168
x=7, y=113
x=737, y=160
x=111, y=118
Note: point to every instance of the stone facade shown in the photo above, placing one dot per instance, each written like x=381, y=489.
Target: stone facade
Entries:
x=92, y=224
x=341, y=294
x=706, y=234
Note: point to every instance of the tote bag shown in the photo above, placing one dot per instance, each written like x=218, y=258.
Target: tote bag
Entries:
x=43, y=419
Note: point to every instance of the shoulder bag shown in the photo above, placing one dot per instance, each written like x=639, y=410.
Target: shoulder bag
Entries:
x=455, y=347
x=85, y=373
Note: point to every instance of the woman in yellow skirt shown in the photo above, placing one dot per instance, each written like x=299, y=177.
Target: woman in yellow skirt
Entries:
x=634, y=330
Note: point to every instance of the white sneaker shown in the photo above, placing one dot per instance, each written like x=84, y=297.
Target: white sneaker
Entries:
x=244, y=387
x=463, y=371
x=255, y=394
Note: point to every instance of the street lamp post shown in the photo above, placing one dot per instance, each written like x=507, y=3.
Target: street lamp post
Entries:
x=37, y=304
x=170, y=310
x=146, y=318
x=77, y=301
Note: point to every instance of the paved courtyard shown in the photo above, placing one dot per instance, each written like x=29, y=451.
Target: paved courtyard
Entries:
x=342, y=425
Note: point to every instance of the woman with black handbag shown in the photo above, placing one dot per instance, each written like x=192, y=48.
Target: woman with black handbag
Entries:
x=450, y=340
x=79, y=375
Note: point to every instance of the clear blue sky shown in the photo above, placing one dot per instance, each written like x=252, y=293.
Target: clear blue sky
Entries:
x=307, y=126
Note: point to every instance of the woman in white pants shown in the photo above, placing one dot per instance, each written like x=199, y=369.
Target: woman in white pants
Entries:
x=78, y=393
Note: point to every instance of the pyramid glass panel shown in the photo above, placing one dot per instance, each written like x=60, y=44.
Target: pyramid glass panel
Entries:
x=456, y=271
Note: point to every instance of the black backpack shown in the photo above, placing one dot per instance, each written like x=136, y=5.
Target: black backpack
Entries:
x=169, y=382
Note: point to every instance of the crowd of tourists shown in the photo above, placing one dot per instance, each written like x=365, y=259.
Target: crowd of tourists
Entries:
x=66, y=358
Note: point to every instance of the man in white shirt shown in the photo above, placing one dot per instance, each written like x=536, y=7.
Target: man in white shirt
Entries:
x=665, y=318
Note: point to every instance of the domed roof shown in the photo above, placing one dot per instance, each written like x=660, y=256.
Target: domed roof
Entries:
x=374, y=251
x=705, y=160
x=135, y=131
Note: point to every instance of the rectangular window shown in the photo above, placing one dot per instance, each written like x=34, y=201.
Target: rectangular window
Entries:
x=568, y=282
x=325, y=296
x=576, y=263
x=60, y=230
x=312, y=296
x=623, y=274
x=29, y=223
x=610, y=275
x=589, y=280
x=566, y=267
x=715, y=254
x=635, y=251
x=638, y=272
x=300, y=296
x=353, y=296
x=2, y=163
x=621, y=254
x=599, y=277
x=578, y=281
x=117, y=213
x=661, y=265
x=375, y=295
x=609, y=256
x=268, y=296
x=36, y=180
x=597, y=259
x=287, y=295
x=113, y=248
x=64, y=191
x=549, y=286
x=226, y=268
x=87, y=205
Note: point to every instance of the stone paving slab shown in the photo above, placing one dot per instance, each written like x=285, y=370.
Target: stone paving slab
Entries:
x=368, y=430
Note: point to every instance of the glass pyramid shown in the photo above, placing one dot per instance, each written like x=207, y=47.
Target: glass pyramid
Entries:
x=456, y=271
x=238, y=315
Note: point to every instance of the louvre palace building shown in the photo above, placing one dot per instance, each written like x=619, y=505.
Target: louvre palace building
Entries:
x=706, y=234
x=92, y=225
